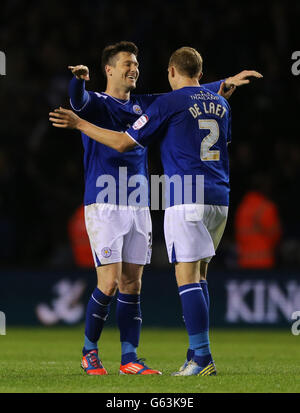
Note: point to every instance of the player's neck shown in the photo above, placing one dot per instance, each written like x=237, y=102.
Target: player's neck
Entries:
x=186, y=82
x=117, y=93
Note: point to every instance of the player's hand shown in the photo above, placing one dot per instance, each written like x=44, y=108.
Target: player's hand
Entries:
x=226, y=93
x=242, y=78
x=64, y=118
x=80, y=71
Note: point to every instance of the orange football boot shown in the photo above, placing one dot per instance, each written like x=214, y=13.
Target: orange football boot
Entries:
x=137, y=367
x=91, y=364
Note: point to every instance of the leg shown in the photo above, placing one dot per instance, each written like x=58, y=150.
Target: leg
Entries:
x=130, y=281
x=129, y=318
x=97, y=313
x=98, y=305
x=196, y=319
x=103, y=225
x=203, y=283
x=136, y=249
x=108, y=277
x=187, y=273
x=203, y=270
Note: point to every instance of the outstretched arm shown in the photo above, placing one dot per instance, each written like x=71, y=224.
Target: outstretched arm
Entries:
x=242, y=78
x=232, y=82
x=64, y=118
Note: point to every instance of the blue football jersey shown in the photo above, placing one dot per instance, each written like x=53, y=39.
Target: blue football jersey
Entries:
x=101, y=163
x=194, y=126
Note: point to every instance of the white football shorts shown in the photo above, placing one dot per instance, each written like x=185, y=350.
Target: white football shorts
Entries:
x=119, y=233
x=193, y=232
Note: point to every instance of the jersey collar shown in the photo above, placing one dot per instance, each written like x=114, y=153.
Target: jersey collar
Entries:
x=121, y=101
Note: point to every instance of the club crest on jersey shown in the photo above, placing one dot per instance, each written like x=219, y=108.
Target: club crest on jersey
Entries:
x=138, y=124
x=137, y=109
x=106, y=252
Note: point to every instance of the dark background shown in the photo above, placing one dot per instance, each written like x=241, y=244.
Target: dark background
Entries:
x=41, y=169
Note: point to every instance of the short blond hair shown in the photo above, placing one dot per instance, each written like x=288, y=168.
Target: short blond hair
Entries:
x=187, y=61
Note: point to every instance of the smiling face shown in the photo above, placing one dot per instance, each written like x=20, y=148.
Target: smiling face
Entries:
x=123, y=71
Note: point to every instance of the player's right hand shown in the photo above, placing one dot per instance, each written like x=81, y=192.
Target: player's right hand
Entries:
x=64, y=118
x=80, y=71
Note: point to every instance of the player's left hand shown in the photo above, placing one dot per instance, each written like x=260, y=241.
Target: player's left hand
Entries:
x=242, y=78
x=64, y=118
x=226, y=93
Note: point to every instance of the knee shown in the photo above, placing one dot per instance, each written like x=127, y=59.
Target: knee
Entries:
x=109, y=288
x=127, y=286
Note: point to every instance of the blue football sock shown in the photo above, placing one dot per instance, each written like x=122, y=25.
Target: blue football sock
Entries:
x=129, y=319
x=190, y=354
x=195, y=314
x=96, y=315
x=202, y=360
x=204, y=286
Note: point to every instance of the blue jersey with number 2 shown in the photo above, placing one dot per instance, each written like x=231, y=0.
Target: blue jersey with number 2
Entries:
x=194, y=126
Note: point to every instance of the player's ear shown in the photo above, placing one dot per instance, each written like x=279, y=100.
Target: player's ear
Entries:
x=201, y=74
x=108, y=70
x=172, y=71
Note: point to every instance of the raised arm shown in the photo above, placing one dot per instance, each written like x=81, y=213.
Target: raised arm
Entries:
x=78, y=95
x=64, y=118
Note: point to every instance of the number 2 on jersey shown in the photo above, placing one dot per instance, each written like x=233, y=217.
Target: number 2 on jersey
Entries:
x=209, y=140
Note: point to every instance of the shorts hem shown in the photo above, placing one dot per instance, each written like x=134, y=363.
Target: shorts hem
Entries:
x=135, y=261
x=106, y=263
x=188, y=259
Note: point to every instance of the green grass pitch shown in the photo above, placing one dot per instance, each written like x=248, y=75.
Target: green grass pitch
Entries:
x=47, y=360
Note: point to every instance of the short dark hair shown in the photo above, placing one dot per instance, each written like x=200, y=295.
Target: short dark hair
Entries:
x=187, y=61
x=112, y=50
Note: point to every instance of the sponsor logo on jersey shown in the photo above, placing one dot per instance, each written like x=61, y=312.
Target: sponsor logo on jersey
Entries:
x=106, y=252
x=205, y=96
x=137, y=109
x=138, y=124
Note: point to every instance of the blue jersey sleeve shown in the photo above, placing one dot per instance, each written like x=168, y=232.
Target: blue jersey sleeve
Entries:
x=214, y=86
x=151, y=124
x=79, y=97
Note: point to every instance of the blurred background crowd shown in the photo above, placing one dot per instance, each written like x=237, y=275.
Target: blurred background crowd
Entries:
x=41, y=168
